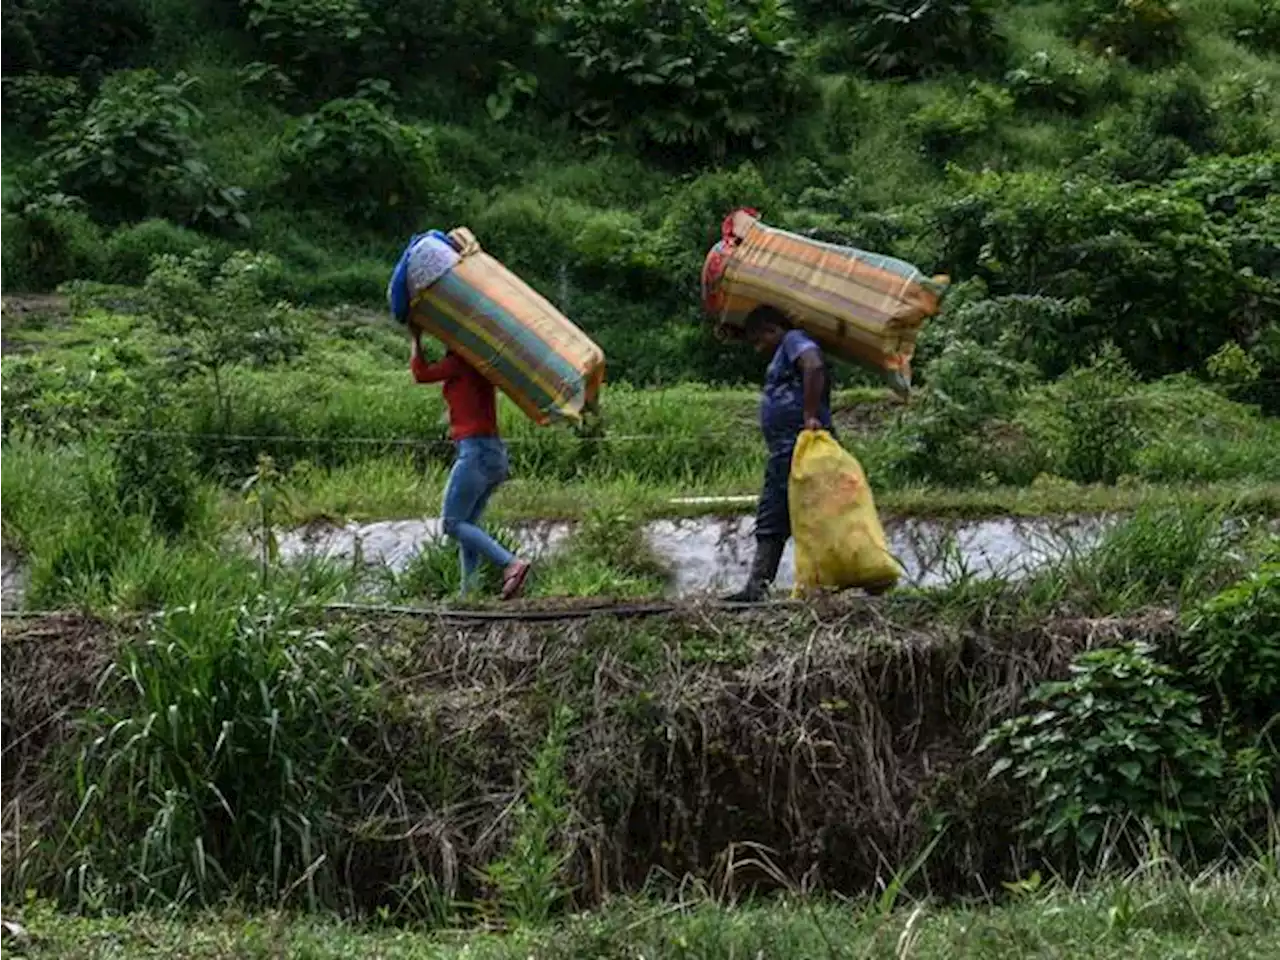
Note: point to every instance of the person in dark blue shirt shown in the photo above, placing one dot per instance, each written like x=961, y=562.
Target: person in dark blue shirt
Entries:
x=796, y=397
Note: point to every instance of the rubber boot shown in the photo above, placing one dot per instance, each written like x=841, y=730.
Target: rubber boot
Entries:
x=764, y=567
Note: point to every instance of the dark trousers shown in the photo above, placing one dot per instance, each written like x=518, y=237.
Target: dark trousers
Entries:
x=773, y=513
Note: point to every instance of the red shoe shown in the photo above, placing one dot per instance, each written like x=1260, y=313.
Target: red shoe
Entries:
x=513, y=579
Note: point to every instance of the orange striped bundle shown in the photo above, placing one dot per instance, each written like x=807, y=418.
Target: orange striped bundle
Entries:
x=510, y=333
x=859, y=306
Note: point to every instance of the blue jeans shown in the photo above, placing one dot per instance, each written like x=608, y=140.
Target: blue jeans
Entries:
x=480, y=468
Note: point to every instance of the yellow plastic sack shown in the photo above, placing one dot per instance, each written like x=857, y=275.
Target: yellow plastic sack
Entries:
x=839, y=540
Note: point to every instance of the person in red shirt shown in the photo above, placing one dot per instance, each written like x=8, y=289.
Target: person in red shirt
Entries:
x=480, y=468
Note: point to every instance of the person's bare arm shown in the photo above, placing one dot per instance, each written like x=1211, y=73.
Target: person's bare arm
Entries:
x=815, y=381
x=424, y=372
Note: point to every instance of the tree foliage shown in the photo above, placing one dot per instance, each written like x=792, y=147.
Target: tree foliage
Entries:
x=133, y=154
x=671, y=74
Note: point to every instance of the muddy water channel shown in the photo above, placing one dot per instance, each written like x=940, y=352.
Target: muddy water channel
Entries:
x=14, y=583
x=709, y=554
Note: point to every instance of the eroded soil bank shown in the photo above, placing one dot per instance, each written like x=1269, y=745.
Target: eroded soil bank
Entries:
x=824, y=744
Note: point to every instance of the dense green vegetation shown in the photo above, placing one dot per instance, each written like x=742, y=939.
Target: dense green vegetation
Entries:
x=216, y=190
x=1115, y=162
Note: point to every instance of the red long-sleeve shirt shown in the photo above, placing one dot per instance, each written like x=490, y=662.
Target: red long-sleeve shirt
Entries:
x=473, y=407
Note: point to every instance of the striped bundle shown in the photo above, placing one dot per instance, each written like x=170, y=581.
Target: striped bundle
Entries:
x=517, y=340
x=861, y=307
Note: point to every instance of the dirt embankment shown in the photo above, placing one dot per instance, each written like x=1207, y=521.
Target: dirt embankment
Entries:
x=819, y=746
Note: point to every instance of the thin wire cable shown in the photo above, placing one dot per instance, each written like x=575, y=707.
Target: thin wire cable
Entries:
x=1146, y=397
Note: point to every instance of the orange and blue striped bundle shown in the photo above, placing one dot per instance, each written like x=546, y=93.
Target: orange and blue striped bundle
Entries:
x=512, y=335
x=862, y=307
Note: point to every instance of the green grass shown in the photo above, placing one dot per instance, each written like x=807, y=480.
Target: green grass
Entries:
x=1142, y=917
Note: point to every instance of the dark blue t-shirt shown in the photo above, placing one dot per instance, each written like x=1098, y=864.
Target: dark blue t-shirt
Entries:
x=782, y=403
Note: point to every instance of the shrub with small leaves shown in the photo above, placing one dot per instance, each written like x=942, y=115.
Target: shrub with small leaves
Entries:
x=48, y=240
x=1118, y=745
x=1174, y=120
x=1243, y=107
x=133, y=154
x=1023, y=327
x=1257, y=25
x=954, y=121
x=972, y=393
x=355, y=156
x=1265, y=352
x=1232, y=368
x=268, y=81
x=1143, y=31
x=474, y=42
x=1127, y=248
x=155, y=473
x=1233, y=645
x=220, y=315
x=1102, y=421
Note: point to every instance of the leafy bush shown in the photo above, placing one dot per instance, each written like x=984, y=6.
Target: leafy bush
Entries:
x=1102, y=422
x=220, y=313
x=21, y=52
x=952, y=122
x=1265, y=352
x=1117, y=743
x=1226, y=185
x=695, y=75
x=1174, y=119
x=267, y=81
x=617, y=245
x=66, y=36
x=1023, y=327
x=34, y=100
x=324, y=45
x=1243, y=108
x=474, y=41
x=47, y=241
x=1258, y=25
x=355, y=156
x=1051, y=82
x=1143, y=31
x=1231, y=368
x=696, y=209
x=46, y=397
x=1128, y=249
x=133, y=155
x=910, y=38
x=131, y=251
x=1233, y=645
x=155, y=475
x=945, y=436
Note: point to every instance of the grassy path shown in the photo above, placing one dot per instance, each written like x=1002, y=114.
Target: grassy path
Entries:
x=1123, y=920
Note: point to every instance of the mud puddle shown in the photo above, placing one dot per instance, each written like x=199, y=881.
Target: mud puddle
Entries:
x=14, y=582
x=709, y=554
